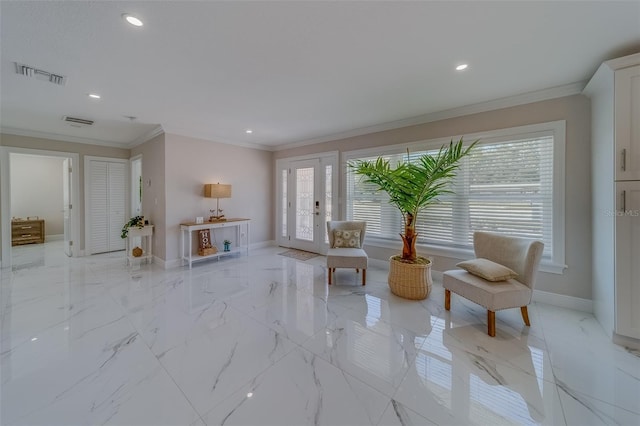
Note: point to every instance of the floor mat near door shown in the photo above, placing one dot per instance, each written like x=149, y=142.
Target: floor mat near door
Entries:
x=299, y=254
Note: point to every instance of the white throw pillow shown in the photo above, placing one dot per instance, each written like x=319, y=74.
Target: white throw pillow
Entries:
x=346, y=238
x=490, y=271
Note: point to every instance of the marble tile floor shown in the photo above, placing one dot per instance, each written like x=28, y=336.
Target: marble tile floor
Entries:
x=262, y=340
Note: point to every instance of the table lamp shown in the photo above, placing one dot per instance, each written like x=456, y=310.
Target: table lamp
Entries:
x=217, y=191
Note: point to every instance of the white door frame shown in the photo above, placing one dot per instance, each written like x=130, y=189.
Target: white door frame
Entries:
x=134, y=186
x=87, y=192
x=67, y=176
x=326, y=158
x=5, y=196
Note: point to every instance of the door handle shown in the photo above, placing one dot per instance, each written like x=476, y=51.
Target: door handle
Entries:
x=624, y=160
x=624, y=201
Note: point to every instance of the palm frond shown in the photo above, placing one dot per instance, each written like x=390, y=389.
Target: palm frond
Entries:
x=414, y=185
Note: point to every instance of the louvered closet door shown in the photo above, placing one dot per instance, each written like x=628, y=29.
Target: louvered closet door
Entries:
x=99, y=207
x=107, y=205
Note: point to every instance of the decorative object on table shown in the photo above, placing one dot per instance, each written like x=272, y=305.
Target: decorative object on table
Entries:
x=199, y=219
x=412, y=186
x=136, y=252
x=217, y=191
x=205, y=247
x=227, y=245
x=136, y=221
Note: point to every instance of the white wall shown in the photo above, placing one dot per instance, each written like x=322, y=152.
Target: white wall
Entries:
x=153, y=189
x=36, y=190
x=190, y=163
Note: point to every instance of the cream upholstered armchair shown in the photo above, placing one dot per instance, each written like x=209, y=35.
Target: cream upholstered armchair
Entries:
x=346, y=239
x=501, y=277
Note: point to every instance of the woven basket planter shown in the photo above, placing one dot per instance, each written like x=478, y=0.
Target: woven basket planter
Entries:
x=410, y=280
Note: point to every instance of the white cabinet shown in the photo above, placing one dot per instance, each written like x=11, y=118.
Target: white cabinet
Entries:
x=614, y=91
x=628, y=259
x=627, y=119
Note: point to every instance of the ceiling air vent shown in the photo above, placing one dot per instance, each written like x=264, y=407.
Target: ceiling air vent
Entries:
x=77, y=122
x=29, y=71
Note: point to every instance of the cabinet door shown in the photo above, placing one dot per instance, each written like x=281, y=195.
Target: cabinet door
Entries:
x=627, y=256
x=627, y=130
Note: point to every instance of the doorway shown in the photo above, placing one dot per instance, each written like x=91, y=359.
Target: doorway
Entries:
x=307, y=189
x=65, y=219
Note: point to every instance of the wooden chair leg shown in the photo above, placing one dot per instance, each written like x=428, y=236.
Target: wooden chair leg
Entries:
x=525, y=315
x=364, y=276
x=330, y=275
x=491, y=320
x=447, y=299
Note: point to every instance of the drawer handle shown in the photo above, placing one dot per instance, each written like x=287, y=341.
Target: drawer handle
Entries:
x=624, y=160
x=26, y=235
x=26, y=227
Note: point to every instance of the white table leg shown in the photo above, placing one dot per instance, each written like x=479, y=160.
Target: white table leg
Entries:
x=190, y=249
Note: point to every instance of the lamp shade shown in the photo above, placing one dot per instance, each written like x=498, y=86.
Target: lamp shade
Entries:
x=217, y=190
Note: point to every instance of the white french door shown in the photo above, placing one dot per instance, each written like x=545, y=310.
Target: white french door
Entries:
x=306, y=200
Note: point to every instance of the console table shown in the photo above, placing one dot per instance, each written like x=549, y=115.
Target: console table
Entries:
x=238, y=225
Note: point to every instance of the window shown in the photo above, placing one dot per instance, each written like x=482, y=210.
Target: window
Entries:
x=511, y=183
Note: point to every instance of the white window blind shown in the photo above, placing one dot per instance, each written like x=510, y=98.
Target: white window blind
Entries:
x=504, y=186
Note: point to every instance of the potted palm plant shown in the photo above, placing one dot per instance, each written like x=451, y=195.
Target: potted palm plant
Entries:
x=412, y=186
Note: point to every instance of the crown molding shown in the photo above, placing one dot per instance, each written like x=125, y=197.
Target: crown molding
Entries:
x=624, y=62
x=210, y=138
x=63, y=138
x=146, y=137
x=506, y=102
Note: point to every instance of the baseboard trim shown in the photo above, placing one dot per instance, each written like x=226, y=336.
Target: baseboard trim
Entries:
x=262, y=244
x=167, y=264
x=627, y=342
x=563, y=301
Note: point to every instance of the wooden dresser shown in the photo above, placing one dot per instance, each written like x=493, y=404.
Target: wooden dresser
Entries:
x=27, y=232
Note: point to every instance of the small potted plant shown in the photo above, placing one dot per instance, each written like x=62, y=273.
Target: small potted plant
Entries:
x=137, y=221
x=227, y=245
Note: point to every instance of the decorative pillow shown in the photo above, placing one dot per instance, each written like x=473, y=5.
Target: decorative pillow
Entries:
x=484, y=268
x=346, y=238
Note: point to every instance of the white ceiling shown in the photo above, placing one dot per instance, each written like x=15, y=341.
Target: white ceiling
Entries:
x=293, y=71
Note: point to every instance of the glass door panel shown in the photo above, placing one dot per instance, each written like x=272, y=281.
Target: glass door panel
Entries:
x=303, y=218
x=305, y=203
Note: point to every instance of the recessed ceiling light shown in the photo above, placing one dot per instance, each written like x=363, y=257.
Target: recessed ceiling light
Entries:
x=248, y=131
x=462, y=67
x=132, y=20
x=94, y=95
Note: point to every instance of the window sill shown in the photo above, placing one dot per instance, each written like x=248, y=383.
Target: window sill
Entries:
x=546, y=265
